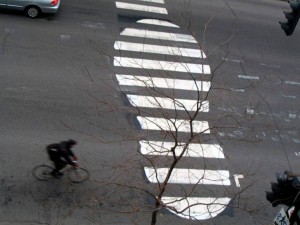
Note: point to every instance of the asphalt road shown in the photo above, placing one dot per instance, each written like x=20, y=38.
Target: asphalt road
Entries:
x=58, y=82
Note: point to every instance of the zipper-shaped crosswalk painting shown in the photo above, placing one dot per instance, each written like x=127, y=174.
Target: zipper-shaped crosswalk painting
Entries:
x=165, y=76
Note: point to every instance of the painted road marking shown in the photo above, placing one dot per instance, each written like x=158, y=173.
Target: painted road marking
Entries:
x=158, y=35
x=237, y=90
x=155, y=1
x=236, y=179
x=189, y=207
x=289, y=96
x=158, y=49
x=154, y=123
x=161, y=65
x=168, y=103
x=197, y=208
x=193, y=150
x=157, y=22
x=144, y=8
x=292, y=82
x=233, y=60
x=93, y=25
x=157, y=82
x=248, y=77
x=65, y=37
x=188, y=176
x=269, y=65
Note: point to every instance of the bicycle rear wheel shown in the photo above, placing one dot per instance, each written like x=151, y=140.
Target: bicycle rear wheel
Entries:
x=78, y=175
x=42, y=172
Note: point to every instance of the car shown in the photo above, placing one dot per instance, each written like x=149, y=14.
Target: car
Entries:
x=32, y=8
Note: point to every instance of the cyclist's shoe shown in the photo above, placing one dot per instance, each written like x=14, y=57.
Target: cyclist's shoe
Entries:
x=56, y=174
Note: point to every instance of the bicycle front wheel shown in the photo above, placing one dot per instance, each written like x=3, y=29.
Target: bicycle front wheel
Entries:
x=42, y=172
x=78, y=175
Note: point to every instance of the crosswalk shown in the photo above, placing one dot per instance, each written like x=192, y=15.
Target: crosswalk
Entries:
x=146, y=73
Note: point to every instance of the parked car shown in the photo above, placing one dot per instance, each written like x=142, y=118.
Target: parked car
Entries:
x=32, y=8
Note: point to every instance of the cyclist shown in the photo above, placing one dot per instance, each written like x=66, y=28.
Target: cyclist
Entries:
x=61, y=155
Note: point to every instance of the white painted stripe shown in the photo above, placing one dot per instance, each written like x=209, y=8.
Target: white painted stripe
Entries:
x=157, y=22
x=65, y=37
x=289, y=96
x=236, y=179
x=168, y=103
x=197, y=208
x=248, y=77
x=193, y=150
x=292, y=82
x=269, y=65
x=142, y=81
x=144, y=8
x=292, y=115
x=233, y=60
x=237, y=90
x=249, y=111
x=161, y=65
x=154, y=123
x=158, y=35
x=155, y=1
x=158, y=49
x=188, y=176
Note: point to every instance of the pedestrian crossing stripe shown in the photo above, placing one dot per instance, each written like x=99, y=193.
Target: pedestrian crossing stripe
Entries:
x=168, y=103
x=157, y=23
x=188, y=176
x=161, y=65
x=197, y=208
x=155, y=1
x=156, y=123
x=158, y=82
x=193, y=149
x=141, y=33
x=158, y=49
x=144, y=8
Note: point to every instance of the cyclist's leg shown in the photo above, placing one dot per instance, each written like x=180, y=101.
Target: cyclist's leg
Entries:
x=58, y=166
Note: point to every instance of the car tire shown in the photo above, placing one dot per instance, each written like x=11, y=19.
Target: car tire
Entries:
x=32, y=11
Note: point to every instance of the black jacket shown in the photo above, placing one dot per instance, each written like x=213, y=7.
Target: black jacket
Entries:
x=61, y=151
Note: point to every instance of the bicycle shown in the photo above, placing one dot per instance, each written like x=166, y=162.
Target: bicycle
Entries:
x=75, y=174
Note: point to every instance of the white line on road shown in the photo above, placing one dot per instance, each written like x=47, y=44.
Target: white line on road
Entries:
x=237, y=90
x=144, y=8
x=193, y=150
x=250, y=111
x=269, y=65
x=157, y=22
x=248, y=77
x=155, y=1
x=158, y=35
x=197, y=208
x=292, y=82
x=236, y=179
x=161, y=65
x=188, y=176
x=233, y=60
x=154, y=123
x=168, y=103
x=65, y=37
x=289, y=96
x=292, y=115
x=157, y=82
x=158, y=49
